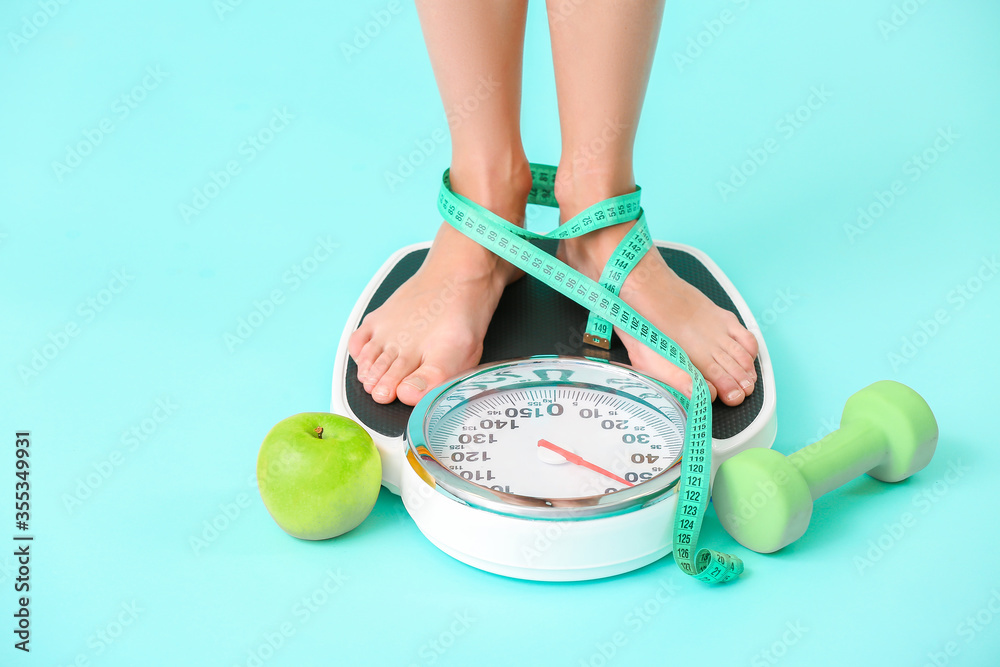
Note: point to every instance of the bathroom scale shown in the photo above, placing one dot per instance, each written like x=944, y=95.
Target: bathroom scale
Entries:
x=458, y=463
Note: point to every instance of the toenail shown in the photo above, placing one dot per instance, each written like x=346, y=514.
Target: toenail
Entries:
x=417, y=383
x=746, y=384
x=733, y=395
x=381, y=392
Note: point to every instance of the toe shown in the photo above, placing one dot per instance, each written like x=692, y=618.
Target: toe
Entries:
x=384, y=390
x=415, y=385
x=735, y=370
x=746, y=339
x=731, y=394
x=366, y=357
x=729, y=390
x=712, y=390
x=739, y=354
x=378, y=369
x=359, y=338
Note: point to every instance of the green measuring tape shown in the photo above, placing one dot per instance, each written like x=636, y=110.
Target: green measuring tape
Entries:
x=511, y=243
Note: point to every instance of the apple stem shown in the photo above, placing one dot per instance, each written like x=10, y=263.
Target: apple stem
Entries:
x=319, y=431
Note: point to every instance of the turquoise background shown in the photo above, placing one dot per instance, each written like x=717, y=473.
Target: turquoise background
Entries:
x=836, y=301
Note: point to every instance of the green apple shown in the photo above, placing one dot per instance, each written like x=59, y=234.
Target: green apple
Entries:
x=319, y=474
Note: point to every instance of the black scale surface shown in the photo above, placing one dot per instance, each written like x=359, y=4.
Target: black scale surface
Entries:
x=532, y=318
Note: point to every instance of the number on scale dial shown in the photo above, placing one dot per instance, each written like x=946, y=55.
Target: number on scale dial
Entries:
x=567, y=441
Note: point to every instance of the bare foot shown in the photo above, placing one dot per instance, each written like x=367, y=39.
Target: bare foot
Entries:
x=433, y=326
x=713, y=337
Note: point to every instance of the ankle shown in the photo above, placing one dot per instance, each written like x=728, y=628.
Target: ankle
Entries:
x=579, y=186
x=500, y=185
x=454, y=256
x=591, y=251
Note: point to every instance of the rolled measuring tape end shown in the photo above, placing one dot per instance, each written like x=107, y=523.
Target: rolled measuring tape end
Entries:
x=708, y=565
x=716, y=567
x=510, y=242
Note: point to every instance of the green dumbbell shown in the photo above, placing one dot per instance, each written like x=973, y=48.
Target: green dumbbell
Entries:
x=765, y=499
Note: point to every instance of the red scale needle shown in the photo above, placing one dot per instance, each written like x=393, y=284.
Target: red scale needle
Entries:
x=574, y=458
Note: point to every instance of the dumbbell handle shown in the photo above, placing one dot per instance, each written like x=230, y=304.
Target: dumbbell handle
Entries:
x=849, y=452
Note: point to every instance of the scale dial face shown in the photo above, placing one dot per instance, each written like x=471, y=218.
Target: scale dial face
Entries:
x=550, y=437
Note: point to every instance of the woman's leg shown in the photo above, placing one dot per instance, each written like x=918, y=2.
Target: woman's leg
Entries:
x=603, y=52
x=433, y=326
